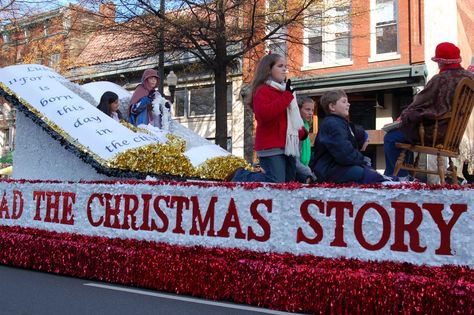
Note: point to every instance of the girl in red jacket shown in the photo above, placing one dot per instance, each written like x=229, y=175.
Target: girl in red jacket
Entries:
x=279, y=124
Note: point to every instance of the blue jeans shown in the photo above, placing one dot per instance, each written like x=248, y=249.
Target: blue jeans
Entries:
x=244, y=175
x=353, y=174
x=392, y=152
x=281, y=167
x=301, y=178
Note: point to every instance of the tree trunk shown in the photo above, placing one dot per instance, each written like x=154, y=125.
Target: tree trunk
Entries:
x=220, y=76
x=220, y=89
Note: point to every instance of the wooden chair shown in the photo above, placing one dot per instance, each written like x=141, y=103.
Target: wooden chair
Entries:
x=458, y=118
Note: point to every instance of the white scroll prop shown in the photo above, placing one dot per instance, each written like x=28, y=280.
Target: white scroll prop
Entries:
x=41, y=88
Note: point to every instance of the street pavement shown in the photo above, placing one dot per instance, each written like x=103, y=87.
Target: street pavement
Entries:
x=26, y=292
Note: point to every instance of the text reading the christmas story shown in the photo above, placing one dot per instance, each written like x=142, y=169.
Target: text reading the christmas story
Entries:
x=253, y=220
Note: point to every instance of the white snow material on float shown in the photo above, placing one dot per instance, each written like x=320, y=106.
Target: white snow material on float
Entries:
x=161, y=112
x=96, y=89
x=42, y=157
x=192, y=138
x=199, y=155
x=76, y=88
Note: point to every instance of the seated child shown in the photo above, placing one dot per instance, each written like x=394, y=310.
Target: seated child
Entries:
x=465, y=172
x=337, y=157
x=140, y=109
x=109, y=104
x=303, y=171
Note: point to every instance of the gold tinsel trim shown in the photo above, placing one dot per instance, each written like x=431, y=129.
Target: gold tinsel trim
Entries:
x=154, y=158
x=176, y=142
x=221, y=166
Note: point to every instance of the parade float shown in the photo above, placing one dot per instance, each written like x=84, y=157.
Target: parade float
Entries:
x=147, y=207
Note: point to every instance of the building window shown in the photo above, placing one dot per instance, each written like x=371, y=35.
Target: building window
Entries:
x=201, y=101
x=180, y=103
x=26, y=33
x=6, y=37
x=67, y=24
x=328, y=35
x=7, y=141
x=342, y=32
x=277, y=42
x=385, y=29
x=54, y=60
x=46, y=28
x=315, y=38
x=278, y=32
x=198, y=101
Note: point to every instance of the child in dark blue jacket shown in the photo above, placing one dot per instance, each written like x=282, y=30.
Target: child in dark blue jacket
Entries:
x=337, y=157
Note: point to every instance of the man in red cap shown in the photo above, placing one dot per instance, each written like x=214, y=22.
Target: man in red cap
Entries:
x=434, y=100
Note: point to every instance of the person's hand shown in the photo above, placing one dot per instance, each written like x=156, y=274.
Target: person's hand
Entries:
x=367, y=161
x=149, y=107
x=311, y=179
x=152, y=94
x=303, y=133
x=288, y=86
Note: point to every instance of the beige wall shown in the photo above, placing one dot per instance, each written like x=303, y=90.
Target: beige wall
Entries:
x=440, y=26
x=466, y=30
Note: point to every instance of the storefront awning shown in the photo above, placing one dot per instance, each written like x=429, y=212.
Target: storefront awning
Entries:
x=363, y=80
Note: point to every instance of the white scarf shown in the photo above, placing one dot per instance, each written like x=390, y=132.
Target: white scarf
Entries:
x=295, y=122
x=161, y=114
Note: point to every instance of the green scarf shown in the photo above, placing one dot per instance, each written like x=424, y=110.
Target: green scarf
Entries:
x=305, y=148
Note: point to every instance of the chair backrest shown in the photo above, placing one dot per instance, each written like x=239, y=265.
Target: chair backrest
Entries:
x=462, y=105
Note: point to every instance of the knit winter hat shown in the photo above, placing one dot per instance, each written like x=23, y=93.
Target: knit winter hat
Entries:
x=447, y=53
x=148, y=73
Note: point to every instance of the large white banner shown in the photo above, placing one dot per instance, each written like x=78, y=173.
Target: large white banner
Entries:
x=432, y=227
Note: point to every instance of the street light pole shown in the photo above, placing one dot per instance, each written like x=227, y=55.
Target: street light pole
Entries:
x=172, y=81
x=161, y=55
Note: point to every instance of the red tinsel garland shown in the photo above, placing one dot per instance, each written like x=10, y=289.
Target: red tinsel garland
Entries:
x=249, y=186
x=278, y=281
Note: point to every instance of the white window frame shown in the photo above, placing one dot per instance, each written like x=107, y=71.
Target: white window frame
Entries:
x=374, y=57
x=329, y=34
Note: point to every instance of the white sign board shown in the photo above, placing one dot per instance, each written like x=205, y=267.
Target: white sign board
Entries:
x=42, y=89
